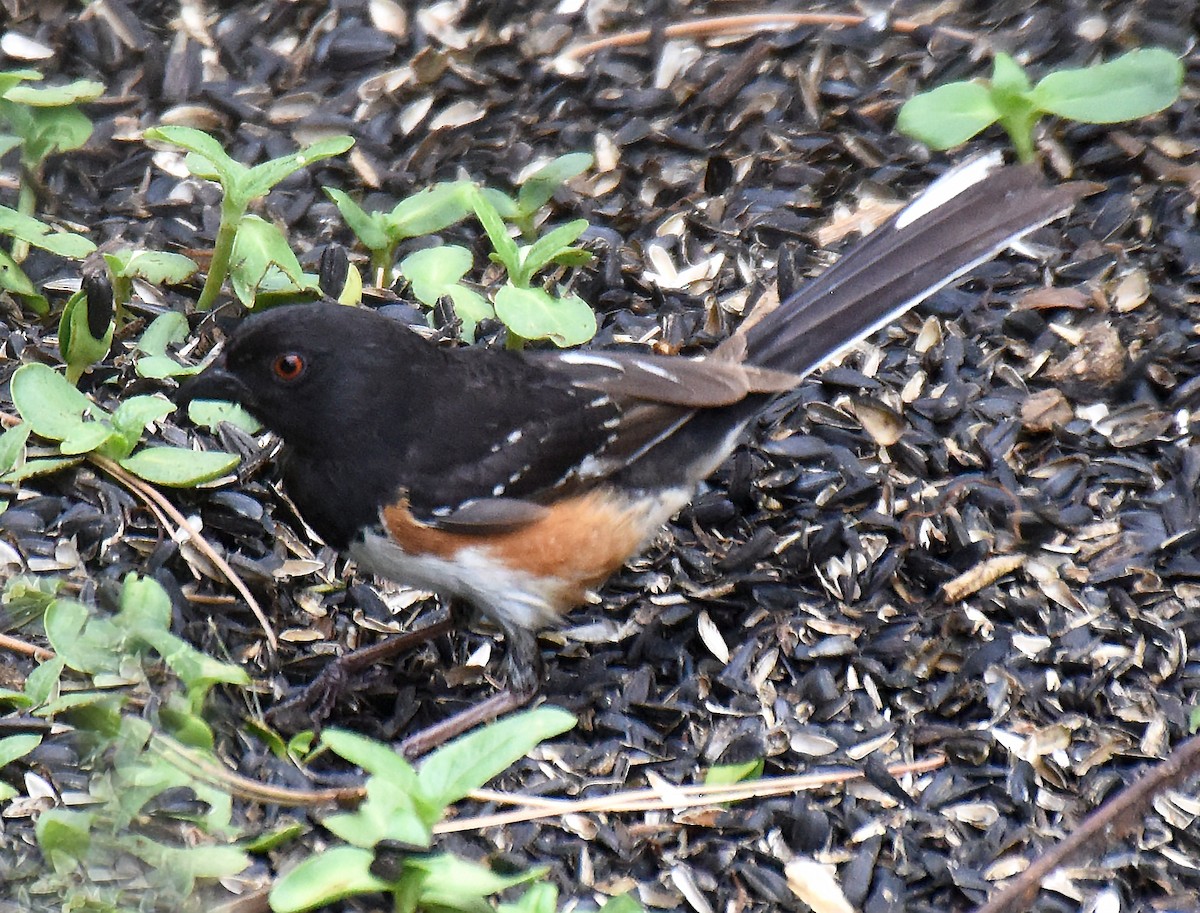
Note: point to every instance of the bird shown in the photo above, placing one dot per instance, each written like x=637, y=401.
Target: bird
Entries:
x=519, y=482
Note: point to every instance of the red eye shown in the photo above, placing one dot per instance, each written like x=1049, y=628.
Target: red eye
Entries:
x=289, y=367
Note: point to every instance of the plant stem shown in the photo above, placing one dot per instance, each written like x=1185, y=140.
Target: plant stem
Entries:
x=232, y=211
x=26, y=204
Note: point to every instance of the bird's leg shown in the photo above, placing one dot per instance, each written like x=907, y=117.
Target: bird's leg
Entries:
x=316, y=701
x=522, y=671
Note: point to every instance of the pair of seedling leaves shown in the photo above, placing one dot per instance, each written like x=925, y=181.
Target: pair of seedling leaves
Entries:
x=528, y=310
x=55, y=410
x=1134, y=85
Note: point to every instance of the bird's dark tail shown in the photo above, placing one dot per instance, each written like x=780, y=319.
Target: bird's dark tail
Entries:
x=961, y=220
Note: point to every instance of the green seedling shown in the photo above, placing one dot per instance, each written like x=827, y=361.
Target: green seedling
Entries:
x=85, y=330
x=337, y=278
x=531, y=312
x=43, y=121
x=431, y=210
x=242, y=185
x=95, y=686
x=1134, y=85
x=387, y=840
x=263, y=269
x=536, y=190
x=92, y=314
x=436, y=273
x=33, y=232
x=154, y=266
x=55, y=411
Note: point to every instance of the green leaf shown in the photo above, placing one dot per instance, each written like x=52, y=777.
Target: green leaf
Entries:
x=389, y=814
x=432, y=271
x=206, y=147
x=948, y=115
x=505, y=206
x=1134, y=85
x=28, y=229
x=17, y=746
x=260, y=248
x=535, y=314
x=41, y=685
x=132, y=417
x=51, y=406
x=372, y=756
x=14, y=280
x=8, y=142
x=1008, y=76
x=64, y=836
x=10, y=78
x=34, y=468
x=539, y=898
x=368, y=227
x=179, y=467
x=165, y=330
x=210, y=413
x=50, y=130
x=82, y=90
x=470, y=761
x=537, y=189
x=343, y=871
x=505, y=247
x=155, y=266
x=86, y=644
x=721, y=774
x=549, y=246
x=78, y=347
x=623, y=903
x=260, y=179
x=471, y=307
x=458, y=884
x=430, y=210
x=86, y=437
x=156, y=367
x=12, y=446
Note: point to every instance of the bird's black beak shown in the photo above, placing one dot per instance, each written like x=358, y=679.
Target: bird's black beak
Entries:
x=214, y=382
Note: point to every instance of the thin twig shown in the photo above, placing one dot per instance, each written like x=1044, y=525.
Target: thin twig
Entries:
x=234, y=783
x=13, y=645
x=655, y=800
x=752, y=23
x=1130, y=804
x=153, y=497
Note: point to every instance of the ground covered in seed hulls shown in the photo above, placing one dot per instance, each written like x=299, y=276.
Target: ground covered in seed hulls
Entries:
x=1032, y=429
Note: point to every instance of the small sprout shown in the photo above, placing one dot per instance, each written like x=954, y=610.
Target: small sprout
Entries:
x=388, y=836
x=32, y=232
x=241, y=185
x=529, y=312
x=337, y=278
x=154, y=266
x=53, y=409
x=43, y=120
x=537, y=189
x=85, y=330
x=431, y=210
x=1137, y=84
x=436, y=273
x=262, y=261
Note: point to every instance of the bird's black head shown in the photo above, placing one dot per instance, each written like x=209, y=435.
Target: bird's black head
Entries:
x=308, y=372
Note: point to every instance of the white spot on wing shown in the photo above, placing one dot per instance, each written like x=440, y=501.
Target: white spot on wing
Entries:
x=514, y=436
x=597, y=361
x=657, y=370
x=947, y=187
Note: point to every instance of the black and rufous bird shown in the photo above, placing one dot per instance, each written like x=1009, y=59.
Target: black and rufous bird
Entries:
x=519, y=482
